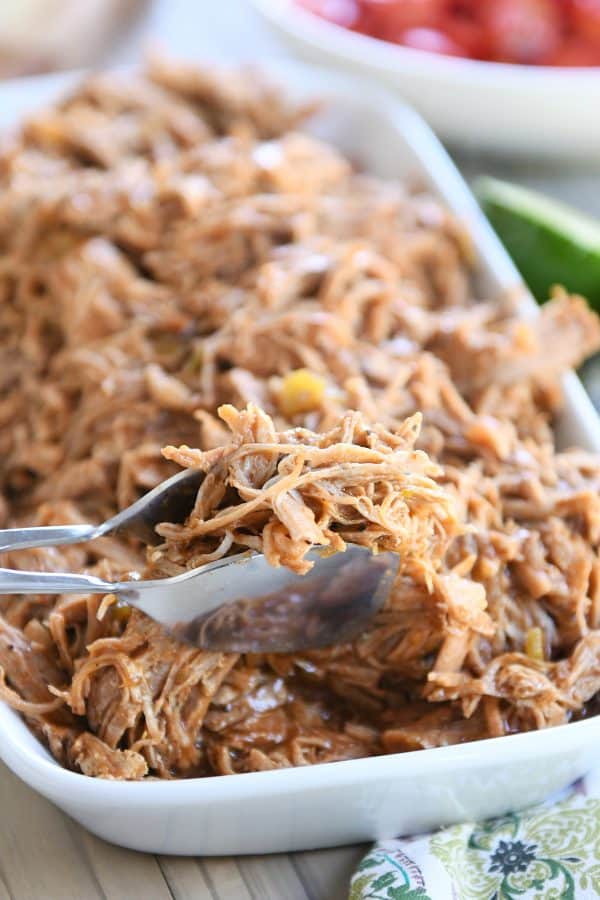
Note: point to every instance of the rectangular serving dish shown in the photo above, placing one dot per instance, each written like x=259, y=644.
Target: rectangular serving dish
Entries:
x=355, y=800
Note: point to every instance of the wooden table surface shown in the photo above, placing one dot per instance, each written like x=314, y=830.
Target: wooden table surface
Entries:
x=44, y=855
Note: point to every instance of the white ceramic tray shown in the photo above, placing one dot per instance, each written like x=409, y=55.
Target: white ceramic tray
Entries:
x=497, y=107
x=351, y=801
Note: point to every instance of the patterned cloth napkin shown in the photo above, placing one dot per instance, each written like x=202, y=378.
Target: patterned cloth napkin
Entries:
x=547, y=852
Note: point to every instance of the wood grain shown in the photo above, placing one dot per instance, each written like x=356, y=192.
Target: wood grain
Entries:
x=326, y=873
x=44, y=855
x=185, y=878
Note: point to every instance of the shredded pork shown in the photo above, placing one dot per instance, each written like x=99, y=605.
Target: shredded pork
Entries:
x=296, y=489
x=172, y=245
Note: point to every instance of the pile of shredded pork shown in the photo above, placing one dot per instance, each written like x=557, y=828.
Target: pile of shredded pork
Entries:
x=171, y=244
x=295, y=490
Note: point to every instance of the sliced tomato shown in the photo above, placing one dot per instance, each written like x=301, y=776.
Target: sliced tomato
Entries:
x=585, y=18
x=432, y=40
x=388, y=18
x=533, y=32
x=468, y=33
x=469, y=8
x=522, y=31
x=575, y=51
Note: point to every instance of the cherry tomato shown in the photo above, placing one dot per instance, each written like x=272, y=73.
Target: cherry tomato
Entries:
x=522, y=31
x=574, y=51
x=387, y=18
x=341, y=12
x=585, y=17
x=432, y=40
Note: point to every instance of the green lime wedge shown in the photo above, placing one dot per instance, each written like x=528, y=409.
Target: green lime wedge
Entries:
x=550, y=242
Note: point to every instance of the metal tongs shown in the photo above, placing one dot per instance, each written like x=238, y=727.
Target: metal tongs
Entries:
x=239, y=603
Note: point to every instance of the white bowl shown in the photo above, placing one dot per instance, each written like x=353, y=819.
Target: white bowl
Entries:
x=496, y=107
x=355, y=800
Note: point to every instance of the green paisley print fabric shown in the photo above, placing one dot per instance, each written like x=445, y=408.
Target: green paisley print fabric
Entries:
x=549, y=852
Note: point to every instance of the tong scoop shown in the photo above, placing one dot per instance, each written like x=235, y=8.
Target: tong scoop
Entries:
x=239, y=603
